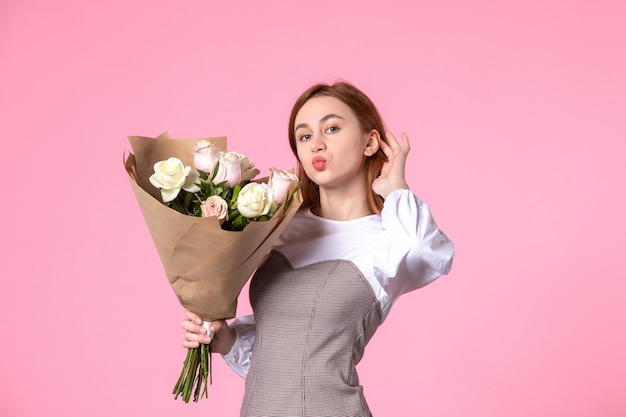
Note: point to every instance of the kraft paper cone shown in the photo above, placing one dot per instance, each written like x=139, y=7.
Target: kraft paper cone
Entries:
x=206, y=266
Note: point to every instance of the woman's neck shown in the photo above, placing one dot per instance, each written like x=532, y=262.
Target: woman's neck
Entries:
x=343, y=205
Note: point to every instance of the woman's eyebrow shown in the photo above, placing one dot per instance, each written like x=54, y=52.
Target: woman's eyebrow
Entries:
x=323, y=119
x=330, y=116
x=300, y=126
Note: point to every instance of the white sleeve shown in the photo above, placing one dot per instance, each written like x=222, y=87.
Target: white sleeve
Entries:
x=238, y=359
x=417, y=252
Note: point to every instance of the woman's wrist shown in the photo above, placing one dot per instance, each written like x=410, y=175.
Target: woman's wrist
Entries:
x=391, y=187
x=224, y=340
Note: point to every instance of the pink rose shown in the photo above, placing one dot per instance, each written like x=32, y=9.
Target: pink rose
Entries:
x=231, y=169
x=215, y=206
x=206, y=156
x=249, y=171
x=282, y=182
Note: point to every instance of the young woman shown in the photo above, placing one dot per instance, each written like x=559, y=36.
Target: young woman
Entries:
x=360, y=240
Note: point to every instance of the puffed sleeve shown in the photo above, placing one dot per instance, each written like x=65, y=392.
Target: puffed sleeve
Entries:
x=416, y=252
x=238, y=359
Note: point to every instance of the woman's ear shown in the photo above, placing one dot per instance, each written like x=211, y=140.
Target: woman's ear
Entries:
x=372, y=144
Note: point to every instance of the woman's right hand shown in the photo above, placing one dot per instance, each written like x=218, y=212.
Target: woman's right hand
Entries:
x=223, y=339
x=392, y=174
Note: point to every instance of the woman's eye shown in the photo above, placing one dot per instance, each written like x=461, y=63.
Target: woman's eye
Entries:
x=305, y=137
x=332, y=129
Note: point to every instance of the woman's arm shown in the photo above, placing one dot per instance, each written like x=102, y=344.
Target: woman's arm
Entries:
x=417, y=251
x=239, y=356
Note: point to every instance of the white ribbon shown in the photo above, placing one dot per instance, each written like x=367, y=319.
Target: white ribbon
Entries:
x=206, y=325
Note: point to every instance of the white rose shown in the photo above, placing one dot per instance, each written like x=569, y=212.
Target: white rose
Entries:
x=255, y=200
x=170, y=176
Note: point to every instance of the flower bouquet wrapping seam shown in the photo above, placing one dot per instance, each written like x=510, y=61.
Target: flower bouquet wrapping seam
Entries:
x=212, y=224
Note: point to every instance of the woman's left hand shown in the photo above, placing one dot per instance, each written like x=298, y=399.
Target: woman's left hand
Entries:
x=392, y=174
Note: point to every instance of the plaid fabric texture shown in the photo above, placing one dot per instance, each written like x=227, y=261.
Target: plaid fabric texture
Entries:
x=312, y=327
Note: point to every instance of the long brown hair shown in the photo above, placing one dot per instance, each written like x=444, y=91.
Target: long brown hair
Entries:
x=369, y=119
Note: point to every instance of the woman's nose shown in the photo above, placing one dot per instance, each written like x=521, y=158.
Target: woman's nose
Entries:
x=317, y=143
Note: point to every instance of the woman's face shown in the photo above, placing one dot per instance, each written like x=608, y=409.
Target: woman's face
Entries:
x=330, y=143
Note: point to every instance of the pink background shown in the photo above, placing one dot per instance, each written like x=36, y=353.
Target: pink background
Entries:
x=515, y=110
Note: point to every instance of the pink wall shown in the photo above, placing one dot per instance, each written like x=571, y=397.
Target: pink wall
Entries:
x=515, y=110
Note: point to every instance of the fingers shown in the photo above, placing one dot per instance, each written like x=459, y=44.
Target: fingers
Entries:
x=394, y=147
x=193, y=317
x=192, y=340
x=405, y=143
x=195, y=333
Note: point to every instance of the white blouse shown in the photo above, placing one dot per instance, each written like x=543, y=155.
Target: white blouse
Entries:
x=397, y=252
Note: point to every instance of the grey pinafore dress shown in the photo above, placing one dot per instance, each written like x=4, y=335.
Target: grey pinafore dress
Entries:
x=312, y=327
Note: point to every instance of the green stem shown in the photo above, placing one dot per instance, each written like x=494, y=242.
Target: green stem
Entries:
x=196, y=373
x=181, y=379
x=190, y=378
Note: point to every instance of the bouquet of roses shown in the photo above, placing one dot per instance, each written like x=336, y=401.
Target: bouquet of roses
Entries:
x=212, y=226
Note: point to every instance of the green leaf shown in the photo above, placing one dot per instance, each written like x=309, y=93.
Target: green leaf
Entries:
x=203, y=175
x=233, y=201
x=215, y=170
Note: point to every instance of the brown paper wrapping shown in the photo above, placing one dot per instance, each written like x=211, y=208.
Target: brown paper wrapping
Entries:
x=206, y=266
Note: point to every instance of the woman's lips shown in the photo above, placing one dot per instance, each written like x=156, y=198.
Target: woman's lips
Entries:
x=318, y=163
